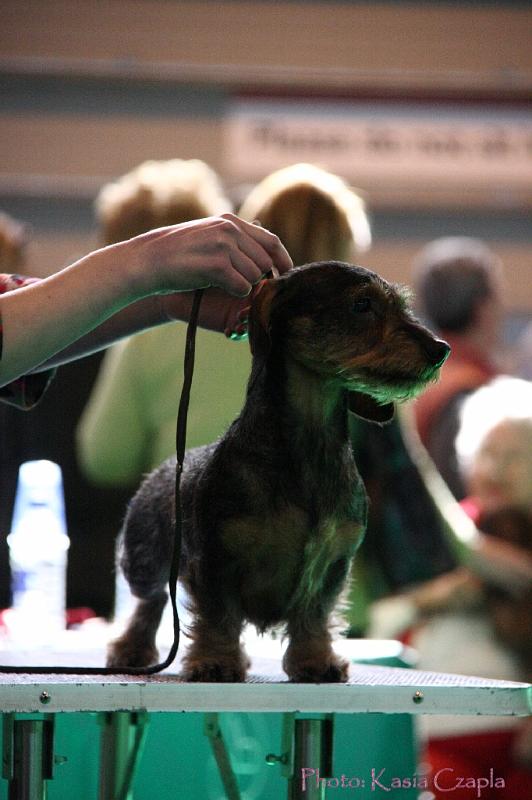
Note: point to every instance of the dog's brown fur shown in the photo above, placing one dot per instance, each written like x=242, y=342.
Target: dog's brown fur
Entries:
x=274, y=512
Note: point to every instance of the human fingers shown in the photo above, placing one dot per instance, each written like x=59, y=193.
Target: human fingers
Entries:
x=248, y=268
x=231, y=275
x=239, y=266
x=238, y=330
x=195, y=255
x=238, y=313
x=254, y=235
x=223, y=252
x=232, y=259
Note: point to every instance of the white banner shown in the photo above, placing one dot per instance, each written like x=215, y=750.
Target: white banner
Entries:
x=462, y=147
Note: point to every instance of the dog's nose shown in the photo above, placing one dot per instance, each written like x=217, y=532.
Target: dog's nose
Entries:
x=438, y=352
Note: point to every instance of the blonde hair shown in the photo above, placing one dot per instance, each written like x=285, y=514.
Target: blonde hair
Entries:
x=159, y=193
x=315, y=213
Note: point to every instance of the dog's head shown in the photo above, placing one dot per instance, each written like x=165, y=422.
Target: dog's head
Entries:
x=351, y=327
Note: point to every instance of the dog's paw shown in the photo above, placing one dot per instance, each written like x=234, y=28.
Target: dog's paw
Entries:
x=124, y=652
x=334, y=670
x=215, y=670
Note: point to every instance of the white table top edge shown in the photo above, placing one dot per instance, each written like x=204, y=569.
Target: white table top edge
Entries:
x=370, y=689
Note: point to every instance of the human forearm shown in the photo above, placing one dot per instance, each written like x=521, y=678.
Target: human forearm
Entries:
x=44, y=318
x=137, y=317
x=218, y=312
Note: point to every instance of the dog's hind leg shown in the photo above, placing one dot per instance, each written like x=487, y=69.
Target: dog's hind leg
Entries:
x=309, y=657
x=215, y=653
x=144, y=554
x=136, y=646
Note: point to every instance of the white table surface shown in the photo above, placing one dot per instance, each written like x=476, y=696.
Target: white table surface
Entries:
x=370, y=688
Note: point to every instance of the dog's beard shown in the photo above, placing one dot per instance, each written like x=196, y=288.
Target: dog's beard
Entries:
x=392, y=388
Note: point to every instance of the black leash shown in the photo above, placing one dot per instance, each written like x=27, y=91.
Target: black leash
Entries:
x=181, y=435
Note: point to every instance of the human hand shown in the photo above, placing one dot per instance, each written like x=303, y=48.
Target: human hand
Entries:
x=223, y=252
x=457, y=589
x=237, y=315
x=219, y=311
x=502, y=563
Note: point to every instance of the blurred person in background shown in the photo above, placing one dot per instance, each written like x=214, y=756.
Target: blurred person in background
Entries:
x=457, y=281
x=494, y=447
x=128, y=426
x=319, y=216
x=472, y=622
x=523, y=354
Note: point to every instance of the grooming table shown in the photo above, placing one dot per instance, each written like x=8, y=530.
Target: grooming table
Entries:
x=29, y=702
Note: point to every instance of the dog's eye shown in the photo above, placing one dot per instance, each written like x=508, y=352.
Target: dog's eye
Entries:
x=362, y=305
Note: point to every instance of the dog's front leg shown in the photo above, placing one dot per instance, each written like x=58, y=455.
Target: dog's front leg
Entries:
x=309, y=657
x=215, y=653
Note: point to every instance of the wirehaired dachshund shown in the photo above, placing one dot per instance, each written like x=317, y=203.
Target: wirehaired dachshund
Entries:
x=274, y=511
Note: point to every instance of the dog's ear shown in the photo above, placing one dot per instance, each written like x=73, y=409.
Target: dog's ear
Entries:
x=364, y=406
x=259, y=318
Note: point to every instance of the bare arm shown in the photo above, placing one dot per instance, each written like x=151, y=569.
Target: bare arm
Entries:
x=130, y=286
x=219, y=312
